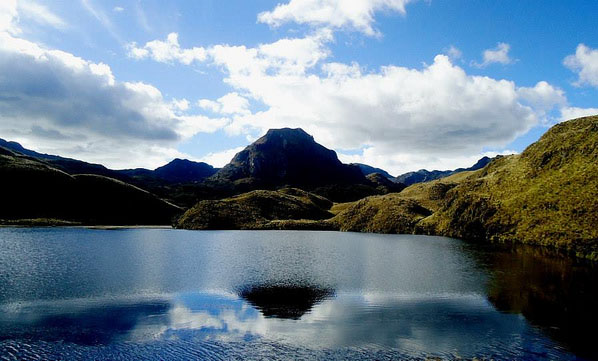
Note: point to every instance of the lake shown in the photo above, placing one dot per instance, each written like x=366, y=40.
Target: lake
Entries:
x=154, y=294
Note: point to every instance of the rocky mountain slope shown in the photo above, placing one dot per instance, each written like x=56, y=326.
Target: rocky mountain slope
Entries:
x=291, y=158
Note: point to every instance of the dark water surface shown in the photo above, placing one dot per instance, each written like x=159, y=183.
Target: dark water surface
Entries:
x=171, y=294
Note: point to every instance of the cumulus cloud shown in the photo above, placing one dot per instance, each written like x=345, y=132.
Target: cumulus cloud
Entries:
x=167, y=51
x=574, y=112
x=396, y=111
x=585, y=63
x=499, y=55
x=231, y=103
x=436, y=114
x=543, y=97
x=49, y=96
x=8, y=16
x=351, y=14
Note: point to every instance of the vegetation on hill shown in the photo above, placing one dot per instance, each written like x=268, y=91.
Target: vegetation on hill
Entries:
x=546, y=196
x=254, y=210
x=32, y=189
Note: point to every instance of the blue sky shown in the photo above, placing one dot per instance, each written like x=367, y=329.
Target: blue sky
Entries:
x=397, y=84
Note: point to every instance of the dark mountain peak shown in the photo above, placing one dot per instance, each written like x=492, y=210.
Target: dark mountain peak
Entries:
x=290, y=134
x=288, y=157
x=184, y=171
x=481, y=163
x=178, y=162
x=368, y=169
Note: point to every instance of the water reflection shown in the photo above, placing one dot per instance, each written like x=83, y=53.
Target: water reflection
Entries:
x=85, y=322
x=447, y=325
x=302, y=294
x=284, y=301
x=556, y=293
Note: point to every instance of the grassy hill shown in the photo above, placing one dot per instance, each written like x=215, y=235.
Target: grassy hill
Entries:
x=548, y=195
x=32, y=189
x=254, y=210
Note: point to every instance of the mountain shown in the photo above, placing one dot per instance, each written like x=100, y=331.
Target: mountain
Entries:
x=175, y=172
x=424, y=175
x=368, y=169
x=69, y=165
x=547, y=196
x=175, y=181
x=184, y=171
x=34, y=189
x=384, y=184
x=291, y=157
x=288, y=157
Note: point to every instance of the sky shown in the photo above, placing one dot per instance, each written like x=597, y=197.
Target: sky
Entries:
x=397, y=84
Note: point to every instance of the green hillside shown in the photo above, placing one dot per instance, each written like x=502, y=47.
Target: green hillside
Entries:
x=32, y=189
x=254, y=210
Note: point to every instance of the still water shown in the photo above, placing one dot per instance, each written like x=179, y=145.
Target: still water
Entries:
x=70, y=293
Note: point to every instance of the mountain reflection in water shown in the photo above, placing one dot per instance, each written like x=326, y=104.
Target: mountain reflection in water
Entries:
x=284, y=301
x=557, y=293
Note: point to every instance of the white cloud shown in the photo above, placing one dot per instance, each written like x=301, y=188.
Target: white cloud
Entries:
x=12, y=11
x=573, y=112
x=180, y=105
x=543, y=97
x=118, y=9
x=585, y=63
x=102, y=18
x=40, y=14
x=499, y=55
x=9, y=16
x=351, y=14
x=220, y=159
x=58, y=103
x=231, y=103
x=439, y=109
x=454, y=53
x=167, y=51
x=437, y=114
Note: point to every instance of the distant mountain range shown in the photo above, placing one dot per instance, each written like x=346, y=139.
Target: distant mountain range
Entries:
x=424, y=175
x=174, y=181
